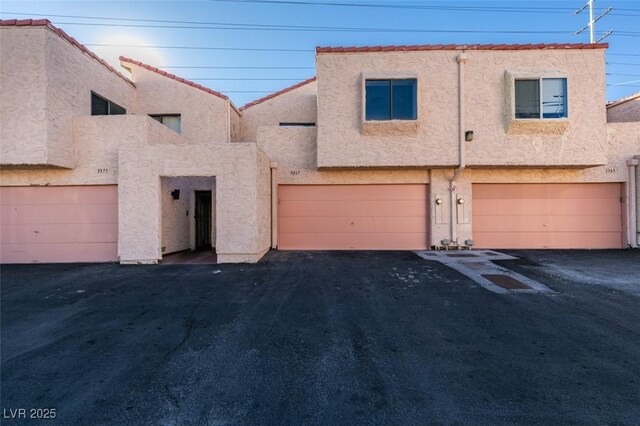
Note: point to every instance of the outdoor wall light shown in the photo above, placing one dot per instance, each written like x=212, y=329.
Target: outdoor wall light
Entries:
x=438, y=201
x=175, y=194
x=468, y=135
x=460, y=201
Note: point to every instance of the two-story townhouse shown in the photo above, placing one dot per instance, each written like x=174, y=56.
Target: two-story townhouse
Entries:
x=490, y=146
x=98, y=166
x=400, y=147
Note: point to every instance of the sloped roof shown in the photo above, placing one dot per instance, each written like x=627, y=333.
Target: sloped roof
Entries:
x=423, y=47
x=47, y=24
x=174, y=77
x=278, y=93
x=623, y=100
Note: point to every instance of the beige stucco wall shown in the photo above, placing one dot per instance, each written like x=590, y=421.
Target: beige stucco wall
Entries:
x=241, y=199
x=235, y=124
x=204, y=117
x=624, y=112
x=433, y=140
x=97, y=139
x=45, y=83
x=23, y=135
x=178, y=216
x=298, y=105
x=293, y=150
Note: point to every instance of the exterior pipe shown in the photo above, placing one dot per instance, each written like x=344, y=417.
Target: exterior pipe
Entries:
x=274, y=205
x=632, y=201
x=462, y=58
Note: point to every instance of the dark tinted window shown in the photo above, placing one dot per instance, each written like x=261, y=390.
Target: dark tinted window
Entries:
x=527, y=99
x=116, y=109
x=102, y=106
x=391, y=99
x=404, y=99
x=99, y=105
x=378, y=99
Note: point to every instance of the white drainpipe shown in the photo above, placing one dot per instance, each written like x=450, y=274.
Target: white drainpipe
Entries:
x=632, y=201
x=462, y=58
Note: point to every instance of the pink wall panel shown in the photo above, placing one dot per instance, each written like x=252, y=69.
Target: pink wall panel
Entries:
x=547, y=215
x=352, y=217
x=58, y=224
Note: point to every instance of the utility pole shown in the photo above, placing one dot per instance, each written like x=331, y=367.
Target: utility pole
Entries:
x=592, y=22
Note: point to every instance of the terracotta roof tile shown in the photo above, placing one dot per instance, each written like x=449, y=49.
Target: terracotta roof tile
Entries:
x=539, y=46
x=278, y=93
x=174, y=77
x=46, y=23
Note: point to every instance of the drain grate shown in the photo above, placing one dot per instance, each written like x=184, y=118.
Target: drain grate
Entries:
x=461, y=255
x=505, y=281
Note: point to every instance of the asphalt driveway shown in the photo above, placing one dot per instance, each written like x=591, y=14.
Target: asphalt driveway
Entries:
x=321, y=338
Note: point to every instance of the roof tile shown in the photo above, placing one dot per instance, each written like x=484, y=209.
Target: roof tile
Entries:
x=278, y=93
x=402, y=48
x=174, y=77
x=46, y=23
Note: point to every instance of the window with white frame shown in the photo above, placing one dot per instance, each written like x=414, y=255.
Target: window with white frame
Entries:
x=172, y=121
x=541, y=98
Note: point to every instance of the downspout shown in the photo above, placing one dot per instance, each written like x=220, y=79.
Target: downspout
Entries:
x=632, y=201
x=462, y=58
x=274, y=205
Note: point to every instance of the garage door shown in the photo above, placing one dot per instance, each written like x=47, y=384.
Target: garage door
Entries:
x=352, y=217
x=59, y=224
x=547, y=215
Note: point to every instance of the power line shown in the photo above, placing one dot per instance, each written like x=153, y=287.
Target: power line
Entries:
x=245, y=79
x=414, y=7
x=238, y=67
x=262, y=27
x=623, y=63
x=622, y=74
x=623, y=54
x=252, y=49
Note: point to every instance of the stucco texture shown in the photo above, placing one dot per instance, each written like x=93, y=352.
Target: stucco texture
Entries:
x=52, y=80
x=297, y=106
x=343, y=143
x=205, y=117
x=97, y=140
x=628, y=111
x=241, y=197
x=178, y=216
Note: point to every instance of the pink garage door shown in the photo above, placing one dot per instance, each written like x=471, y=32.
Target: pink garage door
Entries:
x=59, y=224
x=352, y=217
x=572, y=215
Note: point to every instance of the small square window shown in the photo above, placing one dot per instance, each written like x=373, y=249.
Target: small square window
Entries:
x=391, y=99
x=543, y=98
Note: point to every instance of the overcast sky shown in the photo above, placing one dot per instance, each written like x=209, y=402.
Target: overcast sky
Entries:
x=235, y=25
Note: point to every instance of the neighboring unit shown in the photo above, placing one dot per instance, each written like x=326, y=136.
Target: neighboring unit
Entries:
x=388, y=148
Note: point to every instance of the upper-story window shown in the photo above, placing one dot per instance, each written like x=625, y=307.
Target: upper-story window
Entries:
x=542, y=98
x=393, y=99
x=172, y=121
x=103, y=106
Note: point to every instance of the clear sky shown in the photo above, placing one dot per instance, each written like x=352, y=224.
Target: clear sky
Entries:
x=226, y=28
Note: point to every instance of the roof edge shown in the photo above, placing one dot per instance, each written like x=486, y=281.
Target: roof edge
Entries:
x=278, y=93
x=47, y=24
x=621, y=101
x=173, y=77
x=431, y=47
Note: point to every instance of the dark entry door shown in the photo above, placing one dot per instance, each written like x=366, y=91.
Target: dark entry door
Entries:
x=203, y=220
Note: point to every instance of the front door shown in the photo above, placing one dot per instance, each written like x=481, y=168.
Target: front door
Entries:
x=203, y=220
